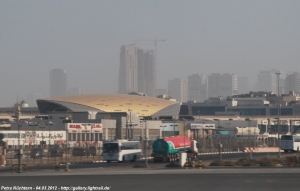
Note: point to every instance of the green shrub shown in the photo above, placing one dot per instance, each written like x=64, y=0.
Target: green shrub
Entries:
x=266, y=162
x=246, y=162
x=271, y=162
x=229, y=163
x=173, y=165
x=217, y=163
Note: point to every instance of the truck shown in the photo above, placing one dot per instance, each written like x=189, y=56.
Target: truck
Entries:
x=169, y=148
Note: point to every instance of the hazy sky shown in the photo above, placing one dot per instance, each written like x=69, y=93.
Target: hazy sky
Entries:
x=84, y=38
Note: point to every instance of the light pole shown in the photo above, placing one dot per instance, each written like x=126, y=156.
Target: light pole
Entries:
x=184, y=132
x=163, y=131
x=145, y=144
x=249, y=131
x=67, y=150
x=42, y=137
x=130, y=126
x=278, y=107
x=228, y=125
x=20, y=150
x=86, y=149
x=220, y=144
x=174, y=128
x=49, y=123
x=33, y=133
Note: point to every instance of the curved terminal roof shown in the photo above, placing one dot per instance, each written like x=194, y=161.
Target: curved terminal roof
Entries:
x=142, y=105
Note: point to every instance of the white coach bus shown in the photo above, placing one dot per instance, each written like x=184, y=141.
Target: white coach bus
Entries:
x=290, y=143
x=122, y=150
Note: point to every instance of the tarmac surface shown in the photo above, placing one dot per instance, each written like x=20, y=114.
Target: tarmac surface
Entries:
x=122, y=176
x=146, y=179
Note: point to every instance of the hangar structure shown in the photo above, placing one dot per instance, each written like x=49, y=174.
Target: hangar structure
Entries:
x=143, y=106
x=131, y=112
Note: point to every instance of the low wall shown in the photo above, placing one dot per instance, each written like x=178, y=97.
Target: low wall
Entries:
x=261, y=149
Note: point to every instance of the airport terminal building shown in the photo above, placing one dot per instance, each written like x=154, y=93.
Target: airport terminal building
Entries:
x=74, y=118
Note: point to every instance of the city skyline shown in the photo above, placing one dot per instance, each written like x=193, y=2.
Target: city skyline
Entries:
x=204, y=37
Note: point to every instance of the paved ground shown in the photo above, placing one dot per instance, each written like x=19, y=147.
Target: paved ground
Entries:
x=122, y=176
x=238, y=179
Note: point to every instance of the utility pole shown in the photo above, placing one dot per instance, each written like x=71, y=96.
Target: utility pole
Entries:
x=278, y=107
x=20, y=151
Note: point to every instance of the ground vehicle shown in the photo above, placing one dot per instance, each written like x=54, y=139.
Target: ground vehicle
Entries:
x=92, y=151
x=122, y=150
x=37, y=153
x=79, y=151
x=57, y=152
x=82, y=151
x=169, y=148
x=290, y=143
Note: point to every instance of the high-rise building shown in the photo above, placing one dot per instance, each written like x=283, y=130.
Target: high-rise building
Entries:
x=32, y=97
x=150, y=73
x=222, y=85
x=58, y=83
x=197, y=88
x=141, y=70
x=161, y=91
x=76, y=91
x=137, y=71
x=243, y=85
x=128, y=69
x=267, y=81
x=177, y=89
x=292, y=82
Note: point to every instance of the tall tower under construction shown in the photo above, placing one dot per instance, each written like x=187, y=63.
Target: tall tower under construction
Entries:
x=137, y=70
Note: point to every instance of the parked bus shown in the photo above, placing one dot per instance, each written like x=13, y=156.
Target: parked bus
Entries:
x=290, y=143
x=122, y=150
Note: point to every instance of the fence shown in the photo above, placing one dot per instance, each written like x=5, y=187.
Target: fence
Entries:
x=45, y=156
x=49, y=156
x=209, y=145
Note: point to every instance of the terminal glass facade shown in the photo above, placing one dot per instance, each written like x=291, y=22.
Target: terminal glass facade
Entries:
x=283, y=111
x=206, y=110
x=249, y=111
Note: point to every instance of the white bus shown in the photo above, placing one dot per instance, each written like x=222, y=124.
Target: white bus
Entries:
x=122, y=150
x=290, y=143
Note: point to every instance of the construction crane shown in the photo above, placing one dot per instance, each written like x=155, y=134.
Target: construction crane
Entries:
x=155, y=44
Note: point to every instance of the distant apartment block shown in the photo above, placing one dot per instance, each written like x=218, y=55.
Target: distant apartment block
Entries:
x=178, y=89
x=161, y=92
x=197, y=88
x=76, y=91
x=222, y=85
x=128, y=69
x=243, y=85
x=137, y=71
x=292, y=82
x=58, y=83
x=32, y=97
x=146, y=72
x=267, y=81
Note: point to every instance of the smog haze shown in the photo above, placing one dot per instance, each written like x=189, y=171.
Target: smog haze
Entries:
x=84, y=39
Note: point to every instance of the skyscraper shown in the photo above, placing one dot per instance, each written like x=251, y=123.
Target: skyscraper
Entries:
x=137, y=71
x=292, y=83
x=178, y=89
x=267, y=81
x=58, y=83
x=222, y=85
x=128, y=69
x=243, y=85
x=197, y=88
x=150, y=73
